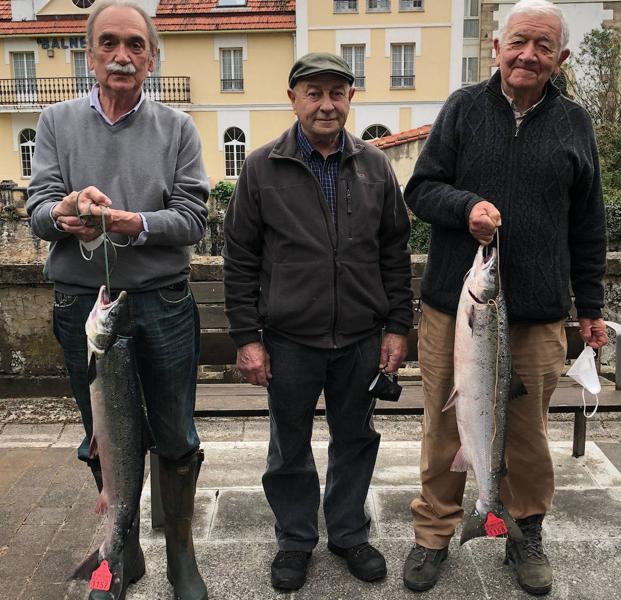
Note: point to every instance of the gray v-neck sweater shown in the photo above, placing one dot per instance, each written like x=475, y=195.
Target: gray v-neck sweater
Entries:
x=150, y=162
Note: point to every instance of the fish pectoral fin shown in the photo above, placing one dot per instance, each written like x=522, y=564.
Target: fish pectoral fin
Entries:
x=516, y=387
x=451, y=400
x=93, y=450
x=92, y=368
x=460, y=462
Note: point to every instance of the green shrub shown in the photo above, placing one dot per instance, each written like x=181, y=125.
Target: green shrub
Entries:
x=419, y=236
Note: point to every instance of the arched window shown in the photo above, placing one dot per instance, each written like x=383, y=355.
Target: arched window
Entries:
x=373, y=132
x=234, y=151
x=84, y=3
x=26, y=150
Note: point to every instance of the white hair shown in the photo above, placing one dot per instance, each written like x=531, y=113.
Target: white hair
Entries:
x=542, y=8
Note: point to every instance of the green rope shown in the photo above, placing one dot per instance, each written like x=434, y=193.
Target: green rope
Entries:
x=105, y=242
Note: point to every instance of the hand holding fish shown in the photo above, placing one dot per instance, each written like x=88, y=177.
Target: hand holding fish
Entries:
x=254, y=363
x=80, y=213
x=593, y=332
x=393, y=352
x=483, y=221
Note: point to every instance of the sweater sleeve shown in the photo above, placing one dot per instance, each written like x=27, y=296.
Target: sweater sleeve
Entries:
x=587, y=230
x=46, y=186
x=184, y=219
x=430, y=193
x=243, y=242
x=395, y=256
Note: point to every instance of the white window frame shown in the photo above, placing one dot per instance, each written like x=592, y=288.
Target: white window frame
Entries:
x=401, y=72
x=466, y=70
x=378, y=6
x=356, y=62
x=232, y=160
x=26, y=150
x=375, y=128
x=345, y=6
x=236, y=79
x=411, y=5
x=471, y=19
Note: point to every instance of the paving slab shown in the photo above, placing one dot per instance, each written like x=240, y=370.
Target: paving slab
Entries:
x=48, y=524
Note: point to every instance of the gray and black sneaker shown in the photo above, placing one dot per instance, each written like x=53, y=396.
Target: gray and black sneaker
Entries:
x=528, y=559
x=422, y=567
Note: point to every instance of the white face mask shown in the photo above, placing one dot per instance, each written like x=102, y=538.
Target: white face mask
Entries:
x=584, y=371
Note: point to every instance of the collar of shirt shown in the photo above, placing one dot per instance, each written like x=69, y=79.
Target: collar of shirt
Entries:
x=307, y=149
x=96, y=105
x=519, y=116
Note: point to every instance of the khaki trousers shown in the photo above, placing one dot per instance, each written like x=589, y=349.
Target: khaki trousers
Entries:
x=538, y=354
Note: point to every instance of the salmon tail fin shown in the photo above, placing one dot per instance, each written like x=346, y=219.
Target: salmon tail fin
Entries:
x=87, y=566
x=492, y=524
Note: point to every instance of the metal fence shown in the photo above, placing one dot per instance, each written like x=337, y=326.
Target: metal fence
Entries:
x=49, y=90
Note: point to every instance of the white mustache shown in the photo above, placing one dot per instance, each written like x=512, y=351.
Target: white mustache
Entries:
x=115, y=67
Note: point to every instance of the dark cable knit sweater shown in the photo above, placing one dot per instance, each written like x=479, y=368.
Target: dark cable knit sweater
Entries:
x=543, y=178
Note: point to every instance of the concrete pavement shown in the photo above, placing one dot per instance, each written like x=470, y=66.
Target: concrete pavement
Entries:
x=47, y=520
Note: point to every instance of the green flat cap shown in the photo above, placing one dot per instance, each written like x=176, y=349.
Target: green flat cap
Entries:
x=319, y=62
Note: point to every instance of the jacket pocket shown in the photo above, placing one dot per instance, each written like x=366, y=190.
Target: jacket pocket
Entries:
x=301, y=299
x=362, y=301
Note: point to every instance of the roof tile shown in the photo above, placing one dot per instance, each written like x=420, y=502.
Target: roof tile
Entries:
x=411, y=135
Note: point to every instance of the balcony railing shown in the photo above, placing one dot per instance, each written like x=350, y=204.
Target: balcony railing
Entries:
x=41, y=91
x=402, y=81
x=232, y=85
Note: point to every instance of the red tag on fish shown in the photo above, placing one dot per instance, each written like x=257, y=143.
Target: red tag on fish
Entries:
x=101, y=577
x=494, y=526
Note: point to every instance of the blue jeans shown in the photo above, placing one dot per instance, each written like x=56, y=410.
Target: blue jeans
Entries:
x=291, y=483
x=166, y=333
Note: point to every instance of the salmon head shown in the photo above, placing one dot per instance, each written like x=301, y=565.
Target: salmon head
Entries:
x=106, y=321
x=482, y=280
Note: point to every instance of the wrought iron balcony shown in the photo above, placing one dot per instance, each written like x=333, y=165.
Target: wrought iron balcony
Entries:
x=49, y=90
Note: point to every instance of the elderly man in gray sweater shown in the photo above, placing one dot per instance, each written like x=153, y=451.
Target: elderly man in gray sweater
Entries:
x=137, y=163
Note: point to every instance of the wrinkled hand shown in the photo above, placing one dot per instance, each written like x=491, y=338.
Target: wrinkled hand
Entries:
x=393, y=352
x=92, y=201
x=483, y=221
x=593, y=332
x=254, y=363
x=89, y=200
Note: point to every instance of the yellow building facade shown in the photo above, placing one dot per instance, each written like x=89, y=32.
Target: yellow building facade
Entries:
x=226, y=62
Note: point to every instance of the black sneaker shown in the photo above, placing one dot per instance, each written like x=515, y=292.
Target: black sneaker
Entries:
x=422, y=567
x=363, y=561
x=528, y=559
x=289, y=569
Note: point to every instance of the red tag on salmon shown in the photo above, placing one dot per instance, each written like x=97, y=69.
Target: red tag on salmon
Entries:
x=101, y=578
x=494, y=526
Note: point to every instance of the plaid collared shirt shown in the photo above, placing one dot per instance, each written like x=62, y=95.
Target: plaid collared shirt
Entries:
x=326, y=170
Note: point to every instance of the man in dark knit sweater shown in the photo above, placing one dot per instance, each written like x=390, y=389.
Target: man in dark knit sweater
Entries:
x=510, y=151
x=137, y=162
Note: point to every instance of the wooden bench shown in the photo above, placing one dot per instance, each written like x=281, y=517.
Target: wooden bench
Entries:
x=235, y=399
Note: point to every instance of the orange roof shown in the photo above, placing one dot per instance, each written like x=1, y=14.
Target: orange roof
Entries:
x=172, y=15
x=411, y=135
x=5, y=9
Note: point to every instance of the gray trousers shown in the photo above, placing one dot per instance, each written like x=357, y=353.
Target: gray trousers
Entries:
x=291, y=483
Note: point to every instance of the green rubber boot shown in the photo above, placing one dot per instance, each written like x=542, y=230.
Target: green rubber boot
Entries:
x=177, y=487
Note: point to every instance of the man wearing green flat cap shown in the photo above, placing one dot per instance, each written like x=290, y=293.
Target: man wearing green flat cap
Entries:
x=317, y=288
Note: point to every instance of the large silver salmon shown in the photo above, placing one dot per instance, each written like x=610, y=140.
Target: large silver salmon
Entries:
x=483, y=386
x=118, y=436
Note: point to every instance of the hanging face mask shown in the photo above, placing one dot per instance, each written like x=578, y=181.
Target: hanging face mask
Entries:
x=584, y=372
